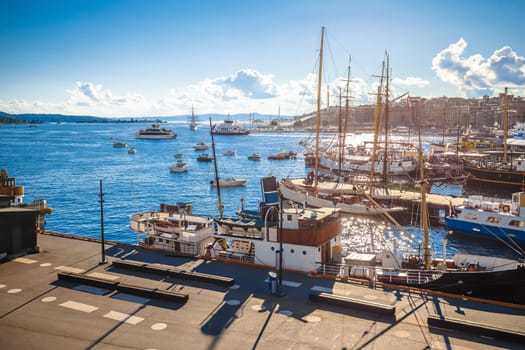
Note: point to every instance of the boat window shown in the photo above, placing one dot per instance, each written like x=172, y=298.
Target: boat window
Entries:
x=292, y=251
x=304, y=252
x=517, y=223
x=471, y=216
x=289, y=217
x=493, y=219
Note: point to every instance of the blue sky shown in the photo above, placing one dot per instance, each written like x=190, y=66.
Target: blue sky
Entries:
x=160, y=57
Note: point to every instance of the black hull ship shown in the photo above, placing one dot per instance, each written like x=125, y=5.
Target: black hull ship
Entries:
x=507, y=178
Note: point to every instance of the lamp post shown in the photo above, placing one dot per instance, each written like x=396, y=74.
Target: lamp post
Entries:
x=281, y=245
x=101, y=195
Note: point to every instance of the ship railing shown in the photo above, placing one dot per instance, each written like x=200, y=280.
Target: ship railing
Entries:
x=376, y=273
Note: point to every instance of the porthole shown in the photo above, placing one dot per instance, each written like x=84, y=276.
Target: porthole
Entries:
x=292, y=251
x=272, y=248
x=304, y=252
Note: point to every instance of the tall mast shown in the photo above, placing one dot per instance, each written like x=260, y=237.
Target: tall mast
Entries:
x=505, y=123
x=424, y=189
x=347, y=102
x=216, y=173
x=386, y=121
x=377, y=118
x=318, y=112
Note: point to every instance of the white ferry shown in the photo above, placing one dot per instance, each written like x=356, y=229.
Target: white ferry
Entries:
x=229, y=127
x=155, y=132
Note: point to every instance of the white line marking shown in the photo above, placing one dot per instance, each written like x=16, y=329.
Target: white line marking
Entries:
x=104, y=276
x=48, y=299
x=2, y=286
x=25, y=260
x=119, y=316
x=69, y=269
x=14, y=291
x=79, y=306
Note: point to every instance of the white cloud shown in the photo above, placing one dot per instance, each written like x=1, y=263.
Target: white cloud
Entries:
x=475, y=76
x=411, y=81
x=245, y=91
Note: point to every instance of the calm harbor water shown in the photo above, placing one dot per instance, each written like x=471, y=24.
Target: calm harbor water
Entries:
x=64, y=163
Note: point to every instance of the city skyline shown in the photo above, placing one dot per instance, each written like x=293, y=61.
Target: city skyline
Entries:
x=135, y=58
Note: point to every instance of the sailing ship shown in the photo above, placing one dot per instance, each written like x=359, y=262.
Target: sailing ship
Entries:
x=193, y=120
x=360, y=202
x=496, y=171
x=464, y=274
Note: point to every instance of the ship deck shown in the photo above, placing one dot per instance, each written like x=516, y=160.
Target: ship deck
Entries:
x=38, y=310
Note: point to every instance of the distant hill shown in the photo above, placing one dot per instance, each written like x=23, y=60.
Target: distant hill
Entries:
x=36, y=118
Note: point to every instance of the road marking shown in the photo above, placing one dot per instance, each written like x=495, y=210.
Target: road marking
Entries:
x=233, y=302
x=2, y=286
x=104, y=276
x=69, y=269
x=288, y=283
x=25, y=260
x=285, y=312
x=48, y=299
x=159, y=326
x=45, y=264
x=90, y=289
x=79, y=306
x=119, y=316
x=14, y=291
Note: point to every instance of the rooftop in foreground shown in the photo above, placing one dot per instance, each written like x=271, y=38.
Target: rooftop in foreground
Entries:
x=40, y=311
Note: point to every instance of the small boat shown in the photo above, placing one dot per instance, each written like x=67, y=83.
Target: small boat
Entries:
x=229, y=127
x=179, y=167
x=178, y=155
x=283, y=155
x=254, y=156
x=174, y=229
x=231, y=152
x=229, y=182
x=119, y=144
x=155, y=132
x=201, y=146
x=132, y=150
x=503, y=221
x=204, y=158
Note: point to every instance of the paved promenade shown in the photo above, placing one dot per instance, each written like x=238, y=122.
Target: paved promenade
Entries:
x=40, y=311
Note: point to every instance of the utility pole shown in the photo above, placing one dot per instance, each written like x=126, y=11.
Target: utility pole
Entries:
x=103, y=250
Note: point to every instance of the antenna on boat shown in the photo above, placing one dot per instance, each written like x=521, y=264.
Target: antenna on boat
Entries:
x=216, y=172
x=101, y=195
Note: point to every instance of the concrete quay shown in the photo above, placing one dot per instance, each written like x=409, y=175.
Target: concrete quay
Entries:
x=40, y=311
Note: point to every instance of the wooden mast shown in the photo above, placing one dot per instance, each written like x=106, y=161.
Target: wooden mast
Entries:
x=386, y=121
x=318, y=113
x=424, y=190
x=505, y=123
x=216, y=173
x=377, y=118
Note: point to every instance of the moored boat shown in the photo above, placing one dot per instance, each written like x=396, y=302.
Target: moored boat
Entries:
x=179, y=167
x=229, y=182
x=204, y=157
x=201, y=146
x=174, y=229
x=254, y=156
x=503, y=221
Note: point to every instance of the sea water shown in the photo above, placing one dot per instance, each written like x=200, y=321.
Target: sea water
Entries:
x=64, y=164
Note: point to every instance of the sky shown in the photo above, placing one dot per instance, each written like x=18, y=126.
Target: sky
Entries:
x=126, y=58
